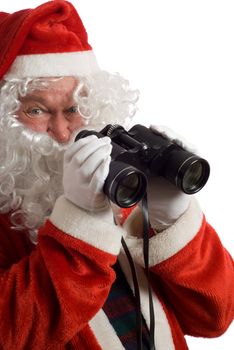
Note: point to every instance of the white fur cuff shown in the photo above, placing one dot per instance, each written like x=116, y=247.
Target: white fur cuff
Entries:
x=97, y=229
x=170, y=241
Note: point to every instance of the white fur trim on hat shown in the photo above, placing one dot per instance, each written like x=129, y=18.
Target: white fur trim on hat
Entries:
x=53, y=65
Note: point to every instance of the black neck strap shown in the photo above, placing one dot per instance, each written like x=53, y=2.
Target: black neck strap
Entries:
x=135, y=281
x=147, y=271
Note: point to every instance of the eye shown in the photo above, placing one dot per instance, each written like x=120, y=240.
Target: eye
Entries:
x=34, y=112
x=73, y=109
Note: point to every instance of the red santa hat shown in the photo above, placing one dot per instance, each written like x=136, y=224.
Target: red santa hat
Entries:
x=48, y=41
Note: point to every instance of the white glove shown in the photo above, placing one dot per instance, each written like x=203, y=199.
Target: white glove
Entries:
x=166, y=202
x=86, y=166
x=176, y=138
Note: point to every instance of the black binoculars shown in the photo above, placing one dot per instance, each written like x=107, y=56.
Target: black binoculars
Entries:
x=142, y=152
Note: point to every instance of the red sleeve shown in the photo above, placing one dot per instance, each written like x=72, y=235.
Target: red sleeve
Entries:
x=48, y=295
x=198, y=284
x=193, y=272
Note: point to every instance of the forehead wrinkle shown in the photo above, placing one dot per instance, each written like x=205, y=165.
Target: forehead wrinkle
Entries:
x=49, y=99
x=58, y=94
x=31, y=97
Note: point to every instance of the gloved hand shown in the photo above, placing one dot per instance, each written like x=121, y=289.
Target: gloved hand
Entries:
x=173, y=136
x=86, y=166
x=166, y=202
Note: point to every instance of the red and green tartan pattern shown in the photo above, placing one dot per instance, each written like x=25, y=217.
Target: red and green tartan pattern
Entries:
x=120, y=310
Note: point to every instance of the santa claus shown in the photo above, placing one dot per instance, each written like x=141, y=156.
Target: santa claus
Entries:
x=65, y=280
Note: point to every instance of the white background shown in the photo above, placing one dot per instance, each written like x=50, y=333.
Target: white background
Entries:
x=180, y=55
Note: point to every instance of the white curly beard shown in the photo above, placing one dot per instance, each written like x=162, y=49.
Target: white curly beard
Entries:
x=30, y=175
x=31, y=163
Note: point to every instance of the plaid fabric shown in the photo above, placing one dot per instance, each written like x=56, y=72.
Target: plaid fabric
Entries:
x=120, y=310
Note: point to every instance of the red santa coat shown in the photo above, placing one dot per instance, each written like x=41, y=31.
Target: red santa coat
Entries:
x=52, y=293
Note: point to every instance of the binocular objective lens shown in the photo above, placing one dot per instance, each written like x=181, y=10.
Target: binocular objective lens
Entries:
x=194, y=177
x=128, y=188
x=125, y=185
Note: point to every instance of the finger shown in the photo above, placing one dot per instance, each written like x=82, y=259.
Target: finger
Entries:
x=102, y=170
x=77, y=146
x=94, y=161
x=85, y=148
x=96, y=148
x=99, y=176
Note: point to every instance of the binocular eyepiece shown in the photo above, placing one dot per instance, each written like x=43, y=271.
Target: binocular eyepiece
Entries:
x=142, y=152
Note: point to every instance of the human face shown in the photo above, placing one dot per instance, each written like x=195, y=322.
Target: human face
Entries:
x=52, y=110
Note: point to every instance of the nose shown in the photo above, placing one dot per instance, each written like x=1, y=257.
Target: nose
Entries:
x=58, y=128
